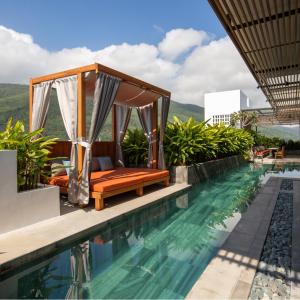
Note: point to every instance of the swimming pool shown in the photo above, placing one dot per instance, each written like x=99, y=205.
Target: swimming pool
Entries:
x=157, y=252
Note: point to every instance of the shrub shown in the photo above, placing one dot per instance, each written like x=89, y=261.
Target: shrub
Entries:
x=191, y=142
x=135, y=147
x=32, y=153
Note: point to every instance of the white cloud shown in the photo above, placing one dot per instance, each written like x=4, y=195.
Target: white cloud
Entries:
x=214, y=66
x=179, y=41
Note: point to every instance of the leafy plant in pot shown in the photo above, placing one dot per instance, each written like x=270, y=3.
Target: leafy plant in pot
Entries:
x=33, y=151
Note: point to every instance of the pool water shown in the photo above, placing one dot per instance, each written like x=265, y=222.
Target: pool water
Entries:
x=157, y=252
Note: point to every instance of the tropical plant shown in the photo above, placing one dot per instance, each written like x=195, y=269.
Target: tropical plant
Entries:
x=245, y=119
x=191, y=142
x=135, y=147
x=33, y=151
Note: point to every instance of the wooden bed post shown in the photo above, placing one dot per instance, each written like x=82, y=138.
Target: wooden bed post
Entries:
x=30, y=103
x=154, y=133
x=81, y=117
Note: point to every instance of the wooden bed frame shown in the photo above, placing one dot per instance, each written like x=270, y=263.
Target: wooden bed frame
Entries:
x=139, y=188
x=63, y=148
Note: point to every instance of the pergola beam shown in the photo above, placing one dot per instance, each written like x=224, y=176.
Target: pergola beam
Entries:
x=267, y=35
x=101, y=68
x=266, y=19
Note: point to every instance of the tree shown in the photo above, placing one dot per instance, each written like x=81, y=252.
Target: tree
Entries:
x=245, y=119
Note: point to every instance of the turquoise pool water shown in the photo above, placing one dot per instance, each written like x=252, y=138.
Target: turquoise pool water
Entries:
x=157, y=252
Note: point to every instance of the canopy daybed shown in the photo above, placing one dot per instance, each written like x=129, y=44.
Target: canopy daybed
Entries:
x=111, y=91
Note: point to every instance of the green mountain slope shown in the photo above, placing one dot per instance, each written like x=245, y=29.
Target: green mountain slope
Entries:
x=14, y=102
x=283, y=132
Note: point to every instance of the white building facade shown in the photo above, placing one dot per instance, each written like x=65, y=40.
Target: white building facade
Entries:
x=219, y=106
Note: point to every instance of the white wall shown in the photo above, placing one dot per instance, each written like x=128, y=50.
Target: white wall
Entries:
x=224, y=103
x=25, y=208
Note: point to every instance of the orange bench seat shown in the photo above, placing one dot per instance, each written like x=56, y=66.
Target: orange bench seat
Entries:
x=110, y=180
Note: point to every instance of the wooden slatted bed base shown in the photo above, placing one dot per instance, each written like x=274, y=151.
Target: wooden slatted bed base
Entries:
x=139, y=188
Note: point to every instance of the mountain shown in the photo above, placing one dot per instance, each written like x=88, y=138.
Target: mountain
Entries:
x=14, y=102
x=283, y=132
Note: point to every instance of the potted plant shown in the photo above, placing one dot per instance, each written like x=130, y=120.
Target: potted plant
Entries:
x=24, y=157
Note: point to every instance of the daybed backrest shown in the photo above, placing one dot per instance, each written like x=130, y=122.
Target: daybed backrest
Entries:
x=63, y=149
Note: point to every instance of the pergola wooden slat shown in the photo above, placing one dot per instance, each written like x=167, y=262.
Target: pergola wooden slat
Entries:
x=267, y=35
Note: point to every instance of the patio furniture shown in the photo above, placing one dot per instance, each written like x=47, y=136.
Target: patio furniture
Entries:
x=261, y=152
x=112, y=91
x=280, y=153
x=104, y=184
x=273, y=150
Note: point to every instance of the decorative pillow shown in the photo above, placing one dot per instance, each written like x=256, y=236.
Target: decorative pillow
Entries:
x=67, y=165
x=57, y=169
x=95, y=164
x=105, y=163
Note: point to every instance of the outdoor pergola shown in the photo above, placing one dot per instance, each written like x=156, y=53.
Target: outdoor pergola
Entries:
x=267, y=35
x=111, y=91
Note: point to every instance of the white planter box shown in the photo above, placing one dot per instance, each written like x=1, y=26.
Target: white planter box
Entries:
x=21, y=209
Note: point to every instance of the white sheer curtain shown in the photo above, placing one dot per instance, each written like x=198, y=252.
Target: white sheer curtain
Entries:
x=67, y=98
x=145, y=114
x=105, y=93
x=123, y=113
x=163, y=123
x=40, y=104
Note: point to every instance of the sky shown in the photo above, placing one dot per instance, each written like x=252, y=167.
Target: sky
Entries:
x=177, y=45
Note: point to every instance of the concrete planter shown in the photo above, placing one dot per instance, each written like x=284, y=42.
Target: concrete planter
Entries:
x=202, y=171
x=21, y=209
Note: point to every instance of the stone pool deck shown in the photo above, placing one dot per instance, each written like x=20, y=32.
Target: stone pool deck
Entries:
x=231, y=273
x=23, y=245
x=287, y=159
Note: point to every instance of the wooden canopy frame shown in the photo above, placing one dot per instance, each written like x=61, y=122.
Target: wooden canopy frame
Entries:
x=97, y=68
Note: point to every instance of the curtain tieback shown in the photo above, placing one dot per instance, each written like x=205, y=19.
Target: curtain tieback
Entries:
x=85, y=144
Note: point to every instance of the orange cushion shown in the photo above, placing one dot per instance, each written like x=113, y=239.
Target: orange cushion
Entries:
x=62, y=181
x=104, y=181
x=110, y=180
x=150, y=174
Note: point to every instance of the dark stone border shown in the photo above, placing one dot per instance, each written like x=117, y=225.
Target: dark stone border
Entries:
x=196, y=173
x=272, y=279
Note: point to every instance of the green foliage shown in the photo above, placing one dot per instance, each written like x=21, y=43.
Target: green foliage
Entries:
x=246, y=119
x=191, y=142
x=135, y=147
x=262, y=140
x=32, y=153
x=292, y=145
